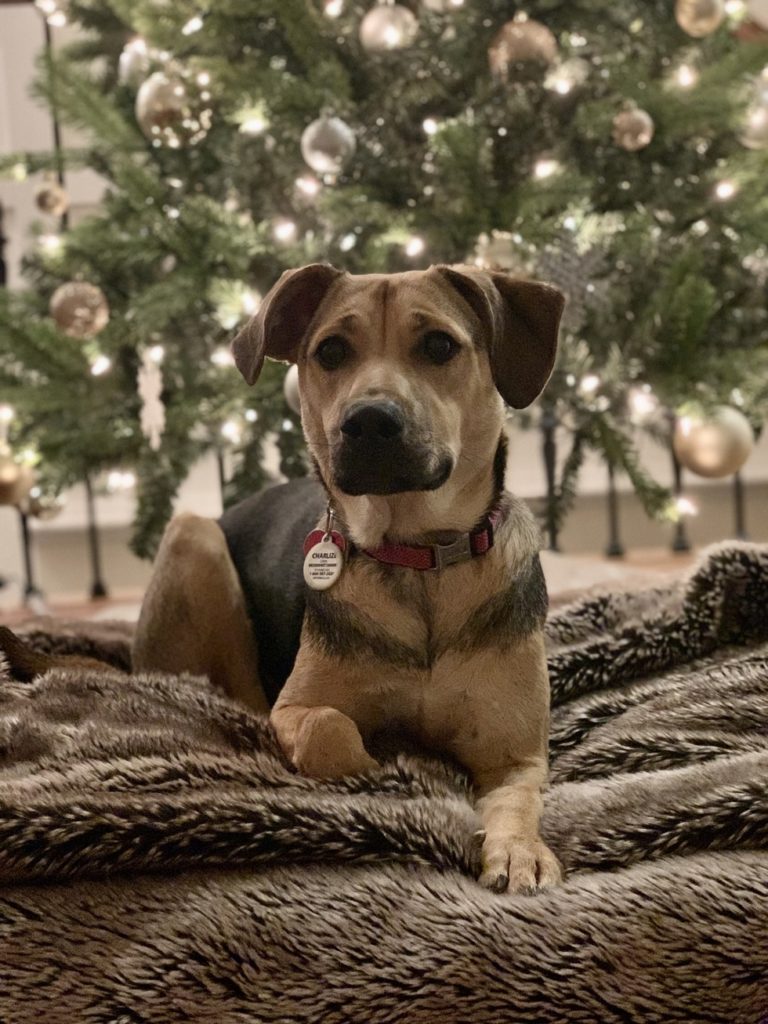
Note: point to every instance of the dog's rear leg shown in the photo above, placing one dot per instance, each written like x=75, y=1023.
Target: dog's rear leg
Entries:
x=194, y=618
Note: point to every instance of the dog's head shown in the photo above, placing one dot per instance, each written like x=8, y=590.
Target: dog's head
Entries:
x=402, y=376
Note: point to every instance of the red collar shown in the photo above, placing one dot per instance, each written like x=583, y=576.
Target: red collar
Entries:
x=438, y=556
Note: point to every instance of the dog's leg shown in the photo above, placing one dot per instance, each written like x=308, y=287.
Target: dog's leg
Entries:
x=321, y=742
x=194, y=618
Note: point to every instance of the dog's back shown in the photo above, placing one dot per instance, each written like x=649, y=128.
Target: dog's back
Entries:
x=265, y=536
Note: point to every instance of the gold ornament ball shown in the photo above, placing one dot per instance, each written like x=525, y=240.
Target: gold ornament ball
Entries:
x=521, y=42
x=79, y=309
x=388, y=27
x=52, y=199
x=327, y=144
x=16, y=480
x=291, y=389
x=633, y=129
x=699, y=18
x=713, y=446
x=172, y=111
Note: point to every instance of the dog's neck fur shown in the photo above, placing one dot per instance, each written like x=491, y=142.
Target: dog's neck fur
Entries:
x=424, y=517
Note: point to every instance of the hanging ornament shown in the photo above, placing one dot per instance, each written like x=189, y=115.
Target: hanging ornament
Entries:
x=754, y=134
x=388, y=26
x=699, y=18
x=51, y=198
x=41, y=505
x=291, y=389
x=150, y=384
x=134, y=62
x=16, y=479
x=521, y=41
x=327, y=144
x=757, y=10
x=172, y=111
x=716, y=445
x=79, y=309
x=633, y=129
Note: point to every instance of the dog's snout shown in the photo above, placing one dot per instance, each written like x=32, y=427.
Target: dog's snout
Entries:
x=373, y=421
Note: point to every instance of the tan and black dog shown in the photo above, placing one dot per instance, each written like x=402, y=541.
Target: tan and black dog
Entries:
x=435, y=623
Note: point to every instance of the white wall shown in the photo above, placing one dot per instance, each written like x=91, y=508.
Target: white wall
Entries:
x=60, y=546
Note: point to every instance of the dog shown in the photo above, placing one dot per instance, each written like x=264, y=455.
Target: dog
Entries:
x=433, y=622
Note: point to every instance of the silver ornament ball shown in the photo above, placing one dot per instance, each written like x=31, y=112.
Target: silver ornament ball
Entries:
x=633, y=129
x=521, y=42
x=79, y=309
x=716, y=445
x=171, y=111
x=388, y=27
x=291, y=389
x=699, y=18
x=327, y=144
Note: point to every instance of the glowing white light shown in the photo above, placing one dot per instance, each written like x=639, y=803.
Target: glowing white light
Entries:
x=222, y=357
x=251, y=415
x=19, y=172
x=414, y=246
x=686, y=507
x=735, y=8
x=230, y=429
x=643, y=402
x=287, y=424
x=120, y=480
x=685, y=425
x=589, y=384
x=570, y=223
x=46, y=6
x=333, y=8
x=284, y=230
x=545, y=168
x=392, y=36
x=50, y=244
x=57, y=20
x=254, y=125
x=570, y=380
x=309, y=185
x=172, y=213
x=250, y=301
x=6, y=413
x=686, y=76
x=100, y=365
x=157, y=353
x=348, y=242
x=194, y=24
x=725, y=190
x=430, y=125
x=204, y=78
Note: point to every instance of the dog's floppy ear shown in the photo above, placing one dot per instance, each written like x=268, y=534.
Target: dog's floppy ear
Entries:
x=522, y=319
x=277, y=328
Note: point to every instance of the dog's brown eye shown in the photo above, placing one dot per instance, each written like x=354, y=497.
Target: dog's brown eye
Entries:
x=331, y=352
x=439, y=347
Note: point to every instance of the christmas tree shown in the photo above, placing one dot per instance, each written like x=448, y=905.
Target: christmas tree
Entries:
x=618, y=150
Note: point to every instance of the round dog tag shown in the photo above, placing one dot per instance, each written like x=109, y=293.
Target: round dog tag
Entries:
x=323, y=564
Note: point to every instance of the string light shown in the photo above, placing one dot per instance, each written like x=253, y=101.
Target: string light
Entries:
x=120, y=480
x=545, y=168
x=735, y=8
x=19, y=171
x=222, y=357
x=685, y=506
x=7, y=413
x=51, y=244
x=157, y=353
x=252, y=120
x=194, y=24
x=308, y=185
x=642, y=402
x=251, y=415
x=686, y=76
x=284, y=230
x=100, y=365
x=348, y=242
x=430, y=125
x=589, y=384
x=230, y=429
x=414, y=246
x=725, y=190
x=333, y=8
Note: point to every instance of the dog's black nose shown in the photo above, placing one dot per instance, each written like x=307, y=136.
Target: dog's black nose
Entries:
x=373, y=421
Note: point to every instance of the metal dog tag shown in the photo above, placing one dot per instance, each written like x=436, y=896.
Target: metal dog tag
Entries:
x=323, y=563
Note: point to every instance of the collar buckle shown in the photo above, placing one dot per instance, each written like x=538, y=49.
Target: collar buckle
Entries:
x=459, y=550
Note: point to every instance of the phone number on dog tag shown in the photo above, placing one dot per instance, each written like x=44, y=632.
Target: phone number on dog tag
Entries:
x=323, y=565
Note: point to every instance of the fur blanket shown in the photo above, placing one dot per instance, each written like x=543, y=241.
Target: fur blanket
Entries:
x=160, y=862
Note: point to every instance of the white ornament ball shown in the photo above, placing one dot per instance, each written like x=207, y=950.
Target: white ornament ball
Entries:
x=134, y=62
x=388, y=27
x=79, y=309
x=521, y=42
x=291, y=389
x=633, y=129
x=699, y=18
x=758, y=12
x=713, y=446
x=171, y=111
x=327, y=144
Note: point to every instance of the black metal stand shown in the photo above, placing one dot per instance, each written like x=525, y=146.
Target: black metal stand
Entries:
x=615, y=548
x=680, y=540
x=98, y=587
x=222, y=473
x=31, y=591
x=739, y=507
x=548, y=425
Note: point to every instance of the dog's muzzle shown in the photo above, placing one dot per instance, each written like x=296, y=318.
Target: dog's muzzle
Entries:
x=375, y=454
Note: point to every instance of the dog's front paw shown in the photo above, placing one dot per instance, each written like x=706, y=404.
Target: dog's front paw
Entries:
x=329, y=746
x=516, y=865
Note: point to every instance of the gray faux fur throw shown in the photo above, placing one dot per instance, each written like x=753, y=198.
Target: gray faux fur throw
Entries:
x=161, y=863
